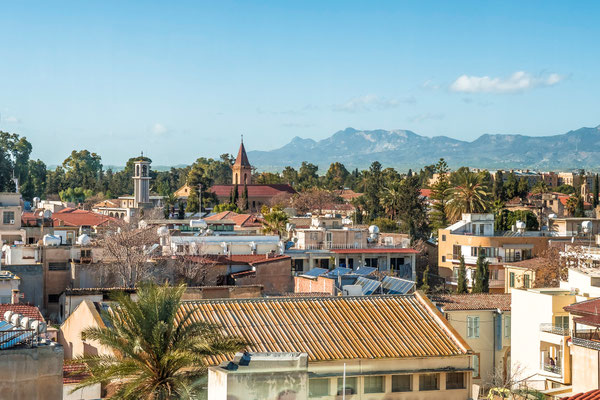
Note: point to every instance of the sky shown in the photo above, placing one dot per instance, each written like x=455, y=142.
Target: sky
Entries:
x=181, y=80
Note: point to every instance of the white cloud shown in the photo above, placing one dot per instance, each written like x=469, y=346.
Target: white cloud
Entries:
x=12, y=120
x=517, y=82
x=429, y=84
x=159, y=129
x=371, y=102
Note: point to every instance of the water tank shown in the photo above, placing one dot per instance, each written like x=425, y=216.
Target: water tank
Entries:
x=16, y=319
x=162, y=231
x=25, y=323
x=83, y=240
x=374, y=229
x=521, y=225
x=587, y=226
x=51, y=240
x=38, y=326
x=552, y=216
x=7, y=315
x=198, y=223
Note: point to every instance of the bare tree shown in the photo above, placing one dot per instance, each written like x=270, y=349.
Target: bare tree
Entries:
x=314, y=200
x=198, y=268
x=127, y=252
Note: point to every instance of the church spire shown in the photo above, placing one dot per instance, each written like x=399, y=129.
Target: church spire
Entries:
x=242, y=157
x=241, y=169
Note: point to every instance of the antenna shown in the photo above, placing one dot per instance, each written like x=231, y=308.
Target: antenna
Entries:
x=242, y=138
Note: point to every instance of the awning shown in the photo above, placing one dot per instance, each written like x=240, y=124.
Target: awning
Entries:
x=589, y=320
x=517, y=246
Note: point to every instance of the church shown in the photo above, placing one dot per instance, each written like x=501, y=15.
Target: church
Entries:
x=241, y=174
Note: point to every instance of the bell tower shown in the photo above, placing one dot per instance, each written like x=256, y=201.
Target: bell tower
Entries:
x=141, y=182
x=241, y=169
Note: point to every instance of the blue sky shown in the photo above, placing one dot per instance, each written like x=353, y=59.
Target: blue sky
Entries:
x=180, y=80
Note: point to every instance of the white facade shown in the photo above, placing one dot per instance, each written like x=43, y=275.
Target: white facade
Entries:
x=222, y=245
x=9, y=283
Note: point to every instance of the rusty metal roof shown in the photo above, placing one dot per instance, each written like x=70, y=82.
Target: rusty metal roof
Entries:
x=335, y=328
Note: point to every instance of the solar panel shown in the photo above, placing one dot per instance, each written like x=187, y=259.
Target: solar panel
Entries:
x=369, y=286
x=315, y=272
x=396, y=285
x=364, y=271
x=339, y=271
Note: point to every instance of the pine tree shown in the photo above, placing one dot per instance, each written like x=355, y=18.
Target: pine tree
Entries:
x=482, y=274
x=462, y=277
x=596, y=190
x=425, y=284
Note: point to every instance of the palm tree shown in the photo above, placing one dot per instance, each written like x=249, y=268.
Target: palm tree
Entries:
x=469, y=195
x=571, y=205
x=390, y=201
x=274, y=221
x=159, y=350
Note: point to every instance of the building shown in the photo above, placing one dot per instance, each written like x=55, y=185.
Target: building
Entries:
x=70, y=223
x=420, y=356
x=475, y=233
x=260, y=376
x=484, y=321
x=521, y=274
x=73, y=374
x=247, y=223
x=10, y=225
x=241, y=176
x=9, y=287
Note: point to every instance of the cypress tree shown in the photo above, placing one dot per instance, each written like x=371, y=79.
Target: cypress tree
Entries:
x=234, y=197
x=462, y=277
x=596, y=190
x=482, y=274
x=246, y=202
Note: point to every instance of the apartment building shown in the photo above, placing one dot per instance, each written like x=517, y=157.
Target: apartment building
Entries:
x=475, y=233
x=11, y=208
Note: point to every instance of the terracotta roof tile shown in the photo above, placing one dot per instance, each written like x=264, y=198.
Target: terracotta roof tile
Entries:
x=74, y=372
x=474, y=301
x=26, y=310
x=587, y=307
x=77, y=217
x=334, y=328
x=591, y=395
x=532, y=264
x=253, y=190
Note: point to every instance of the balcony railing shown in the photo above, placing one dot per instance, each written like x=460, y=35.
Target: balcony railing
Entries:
x=555, y=369
x=590, y=344
x=555, y=329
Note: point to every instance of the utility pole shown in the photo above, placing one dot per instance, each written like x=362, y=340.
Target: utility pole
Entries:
x=200, y=197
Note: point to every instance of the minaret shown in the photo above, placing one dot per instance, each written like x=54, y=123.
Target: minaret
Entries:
x=141, y=182
x=241, y=169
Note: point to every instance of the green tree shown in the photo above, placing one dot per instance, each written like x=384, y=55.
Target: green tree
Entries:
x=469, y=195
x=160, y=350
x=385, y=224
x=596, y=191
x=579, y=208
x=336, y=176
x=82, y=169
x=290, y=176
x=274, y=221
x=373, y=187
x=244, y=200
x=523, y=187
x=540, y=188
x=482, y=274
x=35, y=183
x=226, y=207
x=441, y=193
x=511, y=186
x=498, y=186
x=193, y=202
x=461, y=286
x=565, y=189
x=571, y=204
x=307, y=176
x=425, y=283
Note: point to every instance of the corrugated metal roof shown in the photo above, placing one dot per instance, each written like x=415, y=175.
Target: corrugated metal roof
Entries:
x=396, y=285
x=369, y=286
x=334, y=328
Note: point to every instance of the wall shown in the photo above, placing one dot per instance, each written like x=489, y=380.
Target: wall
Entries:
x=256, y=386
x=32, y=283
x=585, y=366
x=31, y=373
x=275, y=277
x=69, y=335
x=88, y=393
x=308, y=285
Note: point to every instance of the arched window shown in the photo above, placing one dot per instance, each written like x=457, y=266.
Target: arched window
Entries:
x=144, y=170
x=137, y=170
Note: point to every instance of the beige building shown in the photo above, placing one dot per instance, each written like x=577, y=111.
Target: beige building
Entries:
x=521, y=274
x=484, y=321
x=10, y=219
x=475, y=233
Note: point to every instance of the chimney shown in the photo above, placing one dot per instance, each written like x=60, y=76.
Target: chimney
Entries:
x=15, y=296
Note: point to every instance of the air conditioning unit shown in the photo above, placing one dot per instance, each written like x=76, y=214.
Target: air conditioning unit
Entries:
x=12, y=221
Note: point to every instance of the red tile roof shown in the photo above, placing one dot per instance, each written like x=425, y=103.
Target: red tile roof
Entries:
x=425, y=192
x=74, y=372
x=253, y=190
x=29, y=219
x=347, y=194
x=242, y=220
x=242, y=157
x=376, y=250
x=591, y=395
x=587, y=307
x=533, y=264
x=474, y=301
x=25, y=310
x=77, y=217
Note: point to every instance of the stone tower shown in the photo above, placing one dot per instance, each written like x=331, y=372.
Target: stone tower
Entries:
x=141, y=183
x=241, y=169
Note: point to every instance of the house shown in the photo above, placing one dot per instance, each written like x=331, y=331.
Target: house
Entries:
x=248, y=223
x=258, y=195
x=420, y=356
x=521, y=274
x=70, y=223
x=484, y=321
x=86, y=314
x=475, y=233
x=10, y=223
x=9, y=287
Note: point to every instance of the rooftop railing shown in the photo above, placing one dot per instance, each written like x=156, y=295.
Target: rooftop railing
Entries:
x=555, y=329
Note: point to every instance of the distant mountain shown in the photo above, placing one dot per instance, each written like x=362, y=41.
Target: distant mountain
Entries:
x=405, y=149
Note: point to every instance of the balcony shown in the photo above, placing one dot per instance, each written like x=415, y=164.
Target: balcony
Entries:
x=555, y=329
x=555, y=369
x=587, y=338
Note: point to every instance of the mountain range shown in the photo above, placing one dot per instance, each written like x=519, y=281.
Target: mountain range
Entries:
x=403, y=149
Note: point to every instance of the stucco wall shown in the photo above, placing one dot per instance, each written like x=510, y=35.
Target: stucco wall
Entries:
x=69, y=335
x=31, y=373
x=585, y=369
x=32, y=283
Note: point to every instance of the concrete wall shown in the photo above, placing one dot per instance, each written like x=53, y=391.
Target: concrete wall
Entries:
x=275, y=277
x=32, y=283
x=484, y=344
x=88, y=393
x=31, y=373
x=586, y=371
x=308, y=285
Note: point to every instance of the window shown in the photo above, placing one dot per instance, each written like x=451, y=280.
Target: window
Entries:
x=512, y=279
x=494, y=274
x=53, y=298
x=318, y=387
x=8, y=217
x=428, y=381
x=401, y=383
x=456, y=251
x=298, y=265
x=371, y=262
x=472, y=327
x=526, y=281
x=562, y=321
x=443, y=238
x=443, y=258
x=455, y=380
x=507, y=326
x=455, y=272
x=351, y=385
x=486, y=251
x=476, y=366
x=481, y=229
x=374, y=384
x=58, y=266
